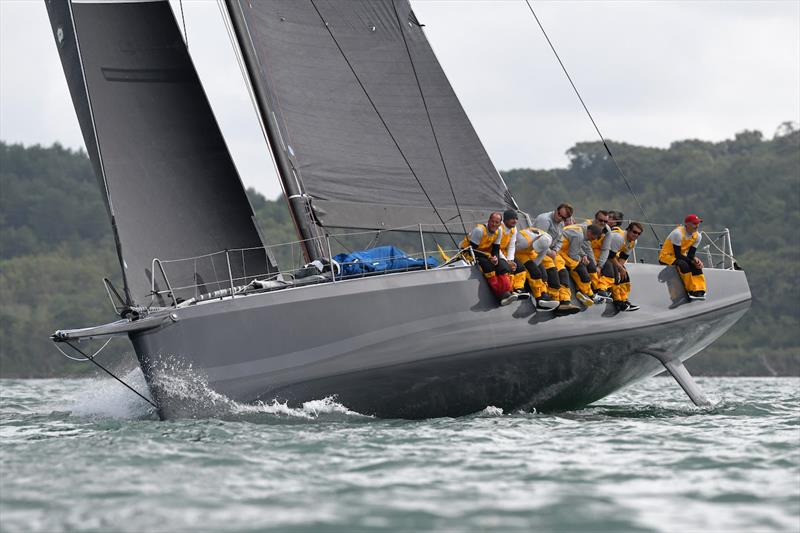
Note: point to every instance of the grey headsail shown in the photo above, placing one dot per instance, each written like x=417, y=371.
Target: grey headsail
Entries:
x=171, y=188
x=350, y=86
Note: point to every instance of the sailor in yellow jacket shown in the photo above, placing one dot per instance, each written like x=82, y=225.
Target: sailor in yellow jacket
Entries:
x=679, y=249
x=622, y=244
x=530, y=250
x=575, y=252
x=552, y=222
x=601, y=283
x=508, y=243
x=485, y=241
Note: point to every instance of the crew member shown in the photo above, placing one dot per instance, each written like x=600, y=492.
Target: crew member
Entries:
x=600, y=282
x=621, y=247
x=605, y=267
x=531, y=248
x=575, y=252
x=552, y=222
x=485, y=242
x=508, y=243
x=679, y=249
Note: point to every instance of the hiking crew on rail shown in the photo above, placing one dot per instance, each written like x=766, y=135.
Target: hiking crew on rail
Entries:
x=539, y=260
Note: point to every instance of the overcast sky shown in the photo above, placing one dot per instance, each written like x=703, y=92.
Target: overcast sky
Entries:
x=651, y=72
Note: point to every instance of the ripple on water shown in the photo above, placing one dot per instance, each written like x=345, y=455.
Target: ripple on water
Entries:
x=88, y=455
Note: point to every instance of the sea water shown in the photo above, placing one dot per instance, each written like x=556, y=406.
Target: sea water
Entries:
x=88, y=455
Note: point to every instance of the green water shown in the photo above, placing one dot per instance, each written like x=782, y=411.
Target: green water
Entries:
x=87, y=455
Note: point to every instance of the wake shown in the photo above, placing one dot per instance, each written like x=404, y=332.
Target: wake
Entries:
x=191, y=397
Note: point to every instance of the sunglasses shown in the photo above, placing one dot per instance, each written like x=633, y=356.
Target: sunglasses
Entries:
x=636, y=232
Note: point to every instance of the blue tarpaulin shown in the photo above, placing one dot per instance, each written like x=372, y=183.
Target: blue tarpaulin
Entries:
x=380, y=259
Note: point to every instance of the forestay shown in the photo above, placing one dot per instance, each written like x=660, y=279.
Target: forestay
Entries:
x=340, y=153
x=171, y=188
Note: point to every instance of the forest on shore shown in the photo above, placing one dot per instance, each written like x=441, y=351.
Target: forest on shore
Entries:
x=56, y=244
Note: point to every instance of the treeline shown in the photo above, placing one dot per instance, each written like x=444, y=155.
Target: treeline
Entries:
x=56, y=243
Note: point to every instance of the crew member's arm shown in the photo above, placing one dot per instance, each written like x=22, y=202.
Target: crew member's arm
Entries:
x=693, y=250
x=616, y=241
x=541, y=246
x=496, y=248
x=475, y=237
x=586, y=251
x=512, y=249
x=604, y=249
x=558, y=241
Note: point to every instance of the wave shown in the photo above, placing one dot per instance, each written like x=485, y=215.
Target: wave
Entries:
x=192, y=398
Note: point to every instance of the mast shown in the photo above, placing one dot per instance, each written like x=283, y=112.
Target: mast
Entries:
x=298, y=200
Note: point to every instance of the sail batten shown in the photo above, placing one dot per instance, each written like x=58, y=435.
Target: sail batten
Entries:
x=171, y=186
x=324, y=64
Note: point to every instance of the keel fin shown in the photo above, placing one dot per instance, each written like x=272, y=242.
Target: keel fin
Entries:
x=687, y=382
x=679, y=372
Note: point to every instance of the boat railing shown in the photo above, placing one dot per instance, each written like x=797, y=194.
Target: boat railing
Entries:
x=234, y=272
x=716, y=247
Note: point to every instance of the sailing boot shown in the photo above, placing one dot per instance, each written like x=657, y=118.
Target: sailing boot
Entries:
x=603, y=295
x=584, y=299
x=630, y=306
x=545, y=303
x=508, y=298
x=566, y=308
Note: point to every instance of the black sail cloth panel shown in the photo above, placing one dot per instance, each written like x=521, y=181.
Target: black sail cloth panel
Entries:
x=345, y=159
x=173, y=191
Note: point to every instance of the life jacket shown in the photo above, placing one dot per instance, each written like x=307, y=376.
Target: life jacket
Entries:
x=529, y=234
x=507, y=235
x=597, y=245
x=627, y=247
x=667, y=254
x=487, y=239
x=564, y=251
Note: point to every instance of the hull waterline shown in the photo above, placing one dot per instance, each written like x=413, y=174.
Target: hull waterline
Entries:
x=431, y=343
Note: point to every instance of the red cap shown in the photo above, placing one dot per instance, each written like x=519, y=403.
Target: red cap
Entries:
x=692, y=219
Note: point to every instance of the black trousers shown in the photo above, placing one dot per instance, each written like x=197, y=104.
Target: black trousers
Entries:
x=536, y=271
x=685, y=266
x=557, y=278
x=582, y=272
x=487, y=266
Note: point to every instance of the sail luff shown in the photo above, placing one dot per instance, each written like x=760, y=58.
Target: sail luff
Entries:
x=299, y=209
x=63, y=25
x=174, y=193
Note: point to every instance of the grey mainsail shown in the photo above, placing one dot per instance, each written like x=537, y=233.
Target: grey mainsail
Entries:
x=316, y=64
x=171, y=188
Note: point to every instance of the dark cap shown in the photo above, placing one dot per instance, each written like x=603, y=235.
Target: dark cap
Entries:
x=692, y=219
x=509, y=214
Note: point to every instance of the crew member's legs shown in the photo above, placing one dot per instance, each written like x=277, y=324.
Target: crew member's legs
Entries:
x=564, y=292
x=580, y=276
x=496, y=276
x=600, y=282
x=553, y=282
x=519, y=276
x=692, y=277
x=621, y=290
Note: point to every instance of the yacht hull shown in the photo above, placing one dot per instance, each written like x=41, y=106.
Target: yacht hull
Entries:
x=431, y=343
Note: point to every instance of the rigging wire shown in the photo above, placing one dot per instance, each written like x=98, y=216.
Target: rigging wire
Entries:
x=428, y=113
x=104, y=369
x=597, y=129
x=183, y=19
x=385, y=125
